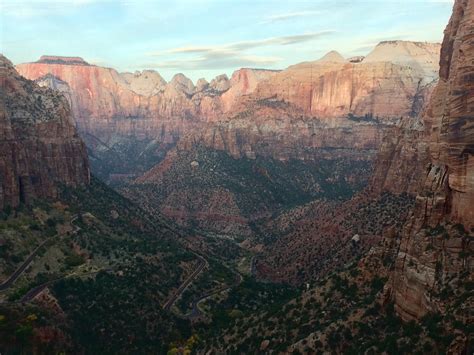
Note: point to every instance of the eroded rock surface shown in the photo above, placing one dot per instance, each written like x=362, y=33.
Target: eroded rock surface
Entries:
x=39, y=145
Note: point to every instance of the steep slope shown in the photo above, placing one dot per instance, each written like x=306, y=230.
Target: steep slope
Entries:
x=76, y=249
x=436, y=247
x=39, y=145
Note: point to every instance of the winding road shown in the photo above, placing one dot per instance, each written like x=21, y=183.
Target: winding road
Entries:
x=196, y=312
x=19, y=271
x=202, y=264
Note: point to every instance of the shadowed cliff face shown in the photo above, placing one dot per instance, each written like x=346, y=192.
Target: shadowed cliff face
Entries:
x=436, y=243
x=39, y=146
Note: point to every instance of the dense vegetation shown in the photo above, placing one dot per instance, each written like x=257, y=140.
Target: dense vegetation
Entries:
x=346, y=312
x=247, y=188
x=115, y=265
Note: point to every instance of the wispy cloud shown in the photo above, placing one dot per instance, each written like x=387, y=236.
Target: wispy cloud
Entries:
x=226, y=56
x=245, y=45
x=289, y=16
x=213, y=62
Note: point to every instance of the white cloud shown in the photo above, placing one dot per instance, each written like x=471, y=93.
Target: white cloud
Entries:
x=245, y=45
x=215, y=60
x=289, y=16
x=230, y=55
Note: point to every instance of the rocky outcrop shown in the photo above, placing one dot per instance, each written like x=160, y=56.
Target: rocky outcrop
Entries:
x=39, y=146
x=397, y=168
x=333, y=56
x=436, y=246
x=422, y=56
x=53, y=59
x=146, y=83
x=283, y=138
x=384, y=86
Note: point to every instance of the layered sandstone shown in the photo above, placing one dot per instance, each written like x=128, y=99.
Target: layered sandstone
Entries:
x=384, y=86
x=328, y=103
x=422, y=56
x=436, y=244
x=39, y=146
x=284, y=138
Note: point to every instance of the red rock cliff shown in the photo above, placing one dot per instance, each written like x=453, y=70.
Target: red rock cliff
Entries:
x=39, y=146
x=436, y=162
x=382, y=85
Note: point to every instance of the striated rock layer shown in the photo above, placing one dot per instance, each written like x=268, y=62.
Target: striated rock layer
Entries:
x=105, y=102
x=436, y=162
x=39, y=145
x=385, y=86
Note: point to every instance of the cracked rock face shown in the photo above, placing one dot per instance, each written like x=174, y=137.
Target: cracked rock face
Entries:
x=436, y=243
x=39, y=146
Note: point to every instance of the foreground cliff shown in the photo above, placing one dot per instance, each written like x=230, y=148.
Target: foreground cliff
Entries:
x=39, y=145
x=436, y=249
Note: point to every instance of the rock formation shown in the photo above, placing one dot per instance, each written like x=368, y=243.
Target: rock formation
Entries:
x=146, y=83
x=329, y=103
x=422, y=56
x=438, y=156
x=39, y=146
x=385, y=84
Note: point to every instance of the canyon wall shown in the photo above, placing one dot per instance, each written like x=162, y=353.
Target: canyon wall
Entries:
x=39, y=145
x=388, y=83
x=391, y=82
x=436, y=162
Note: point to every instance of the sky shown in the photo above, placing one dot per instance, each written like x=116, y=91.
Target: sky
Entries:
x=205, y=38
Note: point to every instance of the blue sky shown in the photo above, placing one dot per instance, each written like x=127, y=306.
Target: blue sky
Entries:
x=204, y=38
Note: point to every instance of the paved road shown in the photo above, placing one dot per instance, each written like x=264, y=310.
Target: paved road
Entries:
x=35, y=291
x=18, y=272
x=196, y=312
x=252, y=266
x=202, y=264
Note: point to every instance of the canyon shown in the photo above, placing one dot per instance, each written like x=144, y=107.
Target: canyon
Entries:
x=143, y=133
x=138, y=114
x=326, y=206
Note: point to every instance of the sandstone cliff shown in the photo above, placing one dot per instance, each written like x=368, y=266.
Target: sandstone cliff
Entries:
x=385, y=84
x=436, y=162
x=328, y=103
x=39, y=146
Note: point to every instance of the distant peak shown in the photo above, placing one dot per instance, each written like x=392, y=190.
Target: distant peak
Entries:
x=54, y=59
x=402, y=42
x=332, y=56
